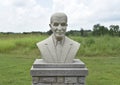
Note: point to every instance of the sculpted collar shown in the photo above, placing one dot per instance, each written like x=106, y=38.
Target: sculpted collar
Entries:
x=58, y=42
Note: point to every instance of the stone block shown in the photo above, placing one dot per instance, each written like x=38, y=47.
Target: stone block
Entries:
x=79, y=84
x=70, y=79
x=60, y=79
x=81, y=79
x=59, y=71
x=39, y=63
x=58, y=74
x=70, y=84
x=47, y=79
x=35, y=80
x=42, y=84
x=41, y=68
x=59, y=84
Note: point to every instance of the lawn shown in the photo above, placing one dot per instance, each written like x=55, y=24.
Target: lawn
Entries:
x=103, y=70
x=100, y=54
x=15, y=70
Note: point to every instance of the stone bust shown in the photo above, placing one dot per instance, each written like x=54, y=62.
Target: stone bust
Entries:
x=58, y=48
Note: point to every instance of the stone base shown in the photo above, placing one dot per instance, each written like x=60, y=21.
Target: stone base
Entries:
x=58, y=74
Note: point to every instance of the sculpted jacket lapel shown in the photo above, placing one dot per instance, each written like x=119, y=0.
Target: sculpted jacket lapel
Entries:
x=66, y=50
x=74, y=46
x=51, y=49
x=69, y=50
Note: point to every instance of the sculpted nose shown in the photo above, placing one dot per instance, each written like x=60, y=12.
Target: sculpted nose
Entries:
x=59, y=27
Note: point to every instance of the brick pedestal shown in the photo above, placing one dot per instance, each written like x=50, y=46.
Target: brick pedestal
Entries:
x=58, y=74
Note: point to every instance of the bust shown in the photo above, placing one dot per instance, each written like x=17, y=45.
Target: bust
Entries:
x=58, y=48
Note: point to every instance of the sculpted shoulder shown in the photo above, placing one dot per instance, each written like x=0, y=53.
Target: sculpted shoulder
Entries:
x=44, y=42
x=70, y=41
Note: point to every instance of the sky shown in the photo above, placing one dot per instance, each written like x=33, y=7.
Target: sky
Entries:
x=34, y=15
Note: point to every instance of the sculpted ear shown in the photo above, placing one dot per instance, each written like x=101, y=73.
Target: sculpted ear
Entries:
x=50, y=25
x=66, y=24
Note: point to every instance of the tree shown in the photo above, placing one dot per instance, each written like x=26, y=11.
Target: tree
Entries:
x=114, y=29
x=99, y=30
x=96, y=29
x=103, y=30
x=82, y=32
x=111, y=32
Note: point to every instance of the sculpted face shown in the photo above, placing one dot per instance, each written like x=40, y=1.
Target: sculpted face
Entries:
x=58, y=25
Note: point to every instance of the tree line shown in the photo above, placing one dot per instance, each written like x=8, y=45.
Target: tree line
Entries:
x=97, y=30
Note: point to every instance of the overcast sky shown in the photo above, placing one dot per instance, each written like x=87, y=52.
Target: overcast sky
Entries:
x=34, y=15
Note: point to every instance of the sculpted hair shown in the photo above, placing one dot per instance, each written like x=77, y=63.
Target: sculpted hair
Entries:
x=59, y=15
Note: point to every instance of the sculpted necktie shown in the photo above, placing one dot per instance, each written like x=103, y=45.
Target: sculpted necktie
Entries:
x=59, y=51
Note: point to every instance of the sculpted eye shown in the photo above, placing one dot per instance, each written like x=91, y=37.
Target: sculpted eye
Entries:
x=55, y=24
x=63, y=24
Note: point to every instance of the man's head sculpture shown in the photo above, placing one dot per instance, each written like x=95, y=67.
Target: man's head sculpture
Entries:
x=58, y=25
x=58, y=48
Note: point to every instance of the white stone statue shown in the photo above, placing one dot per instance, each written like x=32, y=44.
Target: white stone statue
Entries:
x=58, y=48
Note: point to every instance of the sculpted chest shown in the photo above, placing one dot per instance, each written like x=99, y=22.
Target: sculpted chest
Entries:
x=51, y=54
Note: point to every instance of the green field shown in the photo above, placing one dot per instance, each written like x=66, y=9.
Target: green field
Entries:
x=100, y=54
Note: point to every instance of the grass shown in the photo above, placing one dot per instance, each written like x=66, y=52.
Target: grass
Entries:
x=99, y=46
x=103, y=70
x=90, y=46
x=15, y=70
x=100, y=54
x=23, y=43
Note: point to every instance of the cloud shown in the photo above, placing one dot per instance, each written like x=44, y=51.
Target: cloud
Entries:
x=22, y=15
x=75, y=9
x=83, y=13
x=33, y=15
x=105, y=9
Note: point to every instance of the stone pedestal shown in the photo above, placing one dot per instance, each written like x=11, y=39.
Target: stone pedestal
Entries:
x=58, y=74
